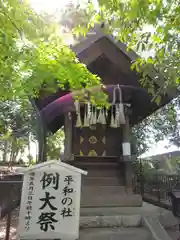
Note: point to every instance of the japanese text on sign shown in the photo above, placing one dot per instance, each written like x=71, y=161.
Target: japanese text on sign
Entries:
x=28, y=215
x=67, y=198
x=47, y=218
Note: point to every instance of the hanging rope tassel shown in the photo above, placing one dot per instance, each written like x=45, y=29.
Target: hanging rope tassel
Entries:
x=106, y=114
x=121, y=114
x=101, y=118
x=114, y=107
x=95, y=116
x=86, y=116
x=112, y=123
x=121, y=107
x=78, y=122
x=91, y=115
x=117, y=114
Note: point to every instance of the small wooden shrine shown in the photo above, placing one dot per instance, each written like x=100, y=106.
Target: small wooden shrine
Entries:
x=99, y=140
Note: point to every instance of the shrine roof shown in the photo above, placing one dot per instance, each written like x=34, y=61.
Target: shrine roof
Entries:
x=110, y=60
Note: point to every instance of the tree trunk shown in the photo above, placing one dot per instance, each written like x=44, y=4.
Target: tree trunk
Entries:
x=5, y=151
x=11, y=153
x=15, y=154
x=29, y=149
x=41, y=134
x=14, y=150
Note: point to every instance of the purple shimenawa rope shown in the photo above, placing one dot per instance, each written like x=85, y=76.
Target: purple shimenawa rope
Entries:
x=65, y=104
x=58, y=107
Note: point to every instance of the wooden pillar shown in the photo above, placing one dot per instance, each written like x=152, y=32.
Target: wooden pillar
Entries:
x=68, y=130
x=126, y=147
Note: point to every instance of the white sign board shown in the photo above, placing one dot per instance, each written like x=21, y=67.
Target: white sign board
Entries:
x=50, y=203
x=126, y=147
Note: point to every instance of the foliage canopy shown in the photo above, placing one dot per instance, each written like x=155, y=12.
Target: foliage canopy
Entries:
x=150, y=27
x=33, y=53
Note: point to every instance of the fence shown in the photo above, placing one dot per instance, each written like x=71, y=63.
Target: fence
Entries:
x=10, y=186
x=153, y=186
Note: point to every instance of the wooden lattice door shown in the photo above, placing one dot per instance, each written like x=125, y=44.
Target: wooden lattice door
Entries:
x=97, y=141
x=90, y=141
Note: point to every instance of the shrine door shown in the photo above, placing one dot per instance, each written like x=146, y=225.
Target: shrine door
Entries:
x=97, y=141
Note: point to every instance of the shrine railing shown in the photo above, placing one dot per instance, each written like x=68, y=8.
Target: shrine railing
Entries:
x=10, y=189
x=152, y=185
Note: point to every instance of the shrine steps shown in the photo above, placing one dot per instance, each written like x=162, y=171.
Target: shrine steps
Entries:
x=111, y=200
x=104, y=185
x=101, y=181
x=99, y=169
x=103, y=190
x=100, y=173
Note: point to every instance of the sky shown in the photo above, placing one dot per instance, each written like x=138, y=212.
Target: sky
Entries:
x=50, y=6
x=158, y=148
x=53, y=7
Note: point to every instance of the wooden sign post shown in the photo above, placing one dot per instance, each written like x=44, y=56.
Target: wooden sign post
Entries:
x=50, y=202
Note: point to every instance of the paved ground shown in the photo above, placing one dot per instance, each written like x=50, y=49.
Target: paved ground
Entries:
x=174, y=233
x=115, y=234
x=165, y=217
